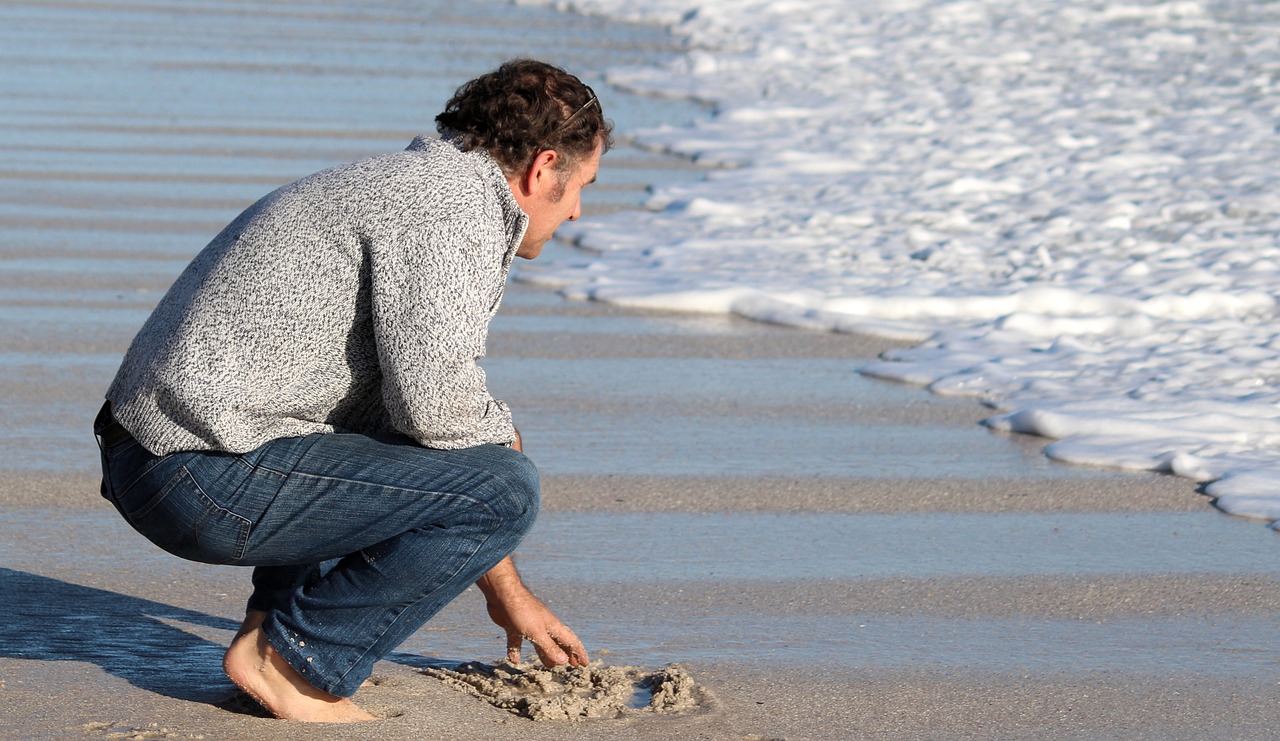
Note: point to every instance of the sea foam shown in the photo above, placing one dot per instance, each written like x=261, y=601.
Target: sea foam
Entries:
x=1071, y=205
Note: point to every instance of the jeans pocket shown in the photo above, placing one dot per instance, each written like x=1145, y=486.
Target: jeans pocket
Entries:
x=183, y=520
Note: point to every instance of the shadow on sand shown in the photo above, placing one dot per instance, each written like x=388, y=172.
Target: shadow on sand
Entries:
x=46, y=619
x=50, y=620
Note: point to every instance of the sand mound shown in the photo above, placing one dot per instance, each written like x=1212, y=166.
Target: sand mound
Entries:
x=576, y=693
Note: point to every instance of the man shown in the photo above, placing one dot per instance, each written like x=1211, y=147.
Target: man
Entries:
x=306, y=400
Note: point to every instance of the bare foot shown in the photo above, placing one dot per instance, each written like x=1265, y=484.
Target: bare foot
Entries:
x=258, y=669
x=255, y=618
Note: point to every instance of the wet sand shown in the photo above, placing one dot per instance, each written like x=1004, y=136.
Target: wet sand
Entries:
x=828, y=556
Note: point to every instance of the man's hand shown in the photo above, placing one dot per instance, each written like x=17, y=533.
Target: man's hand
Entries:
x=523, y=616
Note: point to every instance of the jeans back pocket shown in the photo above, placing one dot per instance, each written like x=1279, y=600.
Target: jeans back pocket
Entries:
x=183, y=520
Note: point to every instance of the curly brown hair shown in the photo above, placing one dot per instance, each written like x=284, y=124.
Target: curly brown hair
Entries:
x=525, y=107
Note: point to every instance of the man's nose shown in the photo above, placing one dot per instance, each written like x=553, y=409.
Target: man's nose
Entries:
x=577, y=212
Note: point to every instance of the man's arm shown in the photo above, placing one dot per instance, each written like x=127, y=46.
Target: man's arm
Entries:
x=523, y=616
x=431, y=301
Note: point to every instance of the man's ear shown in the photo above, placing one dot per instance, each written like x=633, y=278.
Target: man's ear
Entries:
x=540, y=175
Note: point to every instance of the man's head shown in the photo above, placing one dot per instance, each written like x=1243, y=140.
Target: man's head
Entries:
x=525, y=107
x=545, y=129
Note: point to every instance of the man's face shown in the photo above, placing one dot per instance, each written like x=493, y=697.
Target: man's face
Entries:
x=550, y=199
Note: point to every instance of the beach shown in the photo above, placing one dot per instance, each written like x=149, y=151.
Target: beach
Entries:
x=827, y=555
x=1010, y=601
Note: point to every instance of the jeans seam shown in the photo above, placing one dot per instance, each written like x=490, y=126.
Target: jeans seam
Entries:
x=165, y=491
x=136, y=477
x=257, y=467
x=242, y=542
x=407, y=490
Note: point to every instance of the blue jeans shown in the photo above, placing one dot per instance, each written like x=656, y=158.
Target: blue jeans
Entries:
x=357, y=541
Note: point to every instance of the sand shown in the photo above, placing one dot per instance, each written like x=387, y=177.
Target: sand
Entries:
x=574, y=694
x=97, y=649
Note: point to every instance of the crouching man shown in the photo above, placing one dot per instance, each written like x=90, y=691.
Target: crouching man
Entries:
x=306, y=400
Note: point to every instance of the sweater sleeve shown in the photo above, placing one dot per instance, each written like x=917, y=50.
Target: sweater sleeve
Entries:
x=433, y=295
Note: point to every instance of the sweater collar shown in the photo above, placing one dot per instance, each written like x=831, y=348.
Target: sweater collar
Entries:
x=515, y=221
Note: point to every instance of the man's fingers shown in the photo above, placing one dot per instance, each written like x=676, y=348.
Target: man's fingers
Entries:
x=549, y=650
x=568, y=640
x=559, y=645
x=514, y=641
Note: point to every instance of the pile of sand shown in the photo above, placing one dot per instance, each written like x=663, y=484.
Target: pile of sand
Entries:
x=576, y=693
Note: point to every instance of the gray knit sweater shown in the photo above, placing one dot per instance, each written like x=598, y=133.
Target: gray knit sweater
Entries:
x=356, y=299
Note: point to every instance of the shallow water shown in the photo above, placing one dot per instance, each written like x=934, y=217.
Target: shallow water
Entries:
x=134, y=132
x=692, y=548
x=1204, y=647
x=578, y=558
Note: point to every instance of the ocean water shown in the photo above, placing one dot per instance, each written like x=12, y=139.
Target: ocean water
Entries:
x=1071, y=205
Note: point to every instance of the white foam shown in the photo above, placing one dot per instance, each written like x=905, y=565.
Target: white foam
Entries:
x=1072, y=204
